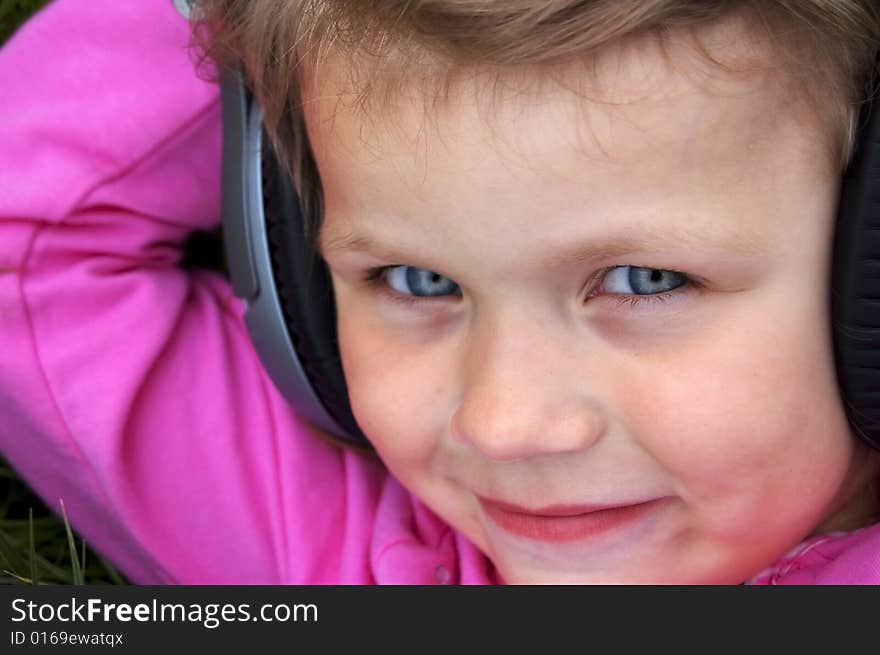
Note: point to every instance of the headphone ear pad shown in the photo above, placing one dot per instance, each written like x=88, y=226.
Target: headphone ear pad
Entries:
x=305, y=292
x=856, y=285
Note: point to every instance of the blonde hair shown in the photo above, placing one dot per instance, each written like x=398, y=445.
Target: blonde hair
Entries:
x=830, y=47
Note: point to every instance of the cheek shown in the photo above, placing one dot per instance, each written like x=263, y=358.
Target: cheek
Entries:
x=746, y=420
x=396, y=390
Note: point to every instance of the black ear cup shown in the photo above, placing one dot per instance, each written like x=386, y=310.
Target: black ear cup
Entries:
x=306, y=293
x=856, y=284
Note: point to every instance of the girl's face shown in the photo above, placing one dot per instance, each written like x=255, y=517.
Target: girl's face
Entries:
x=591, y=331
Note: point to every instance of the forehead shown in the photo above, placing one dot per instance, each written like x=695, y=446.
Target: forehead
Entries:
x=385, y=96
x=636, y=112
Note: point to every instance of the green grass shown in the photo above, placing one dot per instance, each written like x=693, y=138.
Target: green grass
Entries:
x=36, y=545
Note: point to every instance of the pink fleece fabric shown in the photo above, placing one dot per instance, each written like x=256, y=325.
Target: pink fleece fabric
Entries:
x=128, y=385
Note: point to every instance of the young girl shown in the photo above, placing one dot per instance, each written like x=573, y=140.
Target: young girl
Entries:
x=581, y=259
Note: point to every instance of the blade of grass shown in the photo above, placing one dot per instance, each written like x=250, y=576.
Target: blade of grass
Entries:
x=111, y=571
x=34, y=580
x=8, y=551
x=17, y=577
x=39, y=523
x=7, y=503
x=52, y=571
x=74, y=560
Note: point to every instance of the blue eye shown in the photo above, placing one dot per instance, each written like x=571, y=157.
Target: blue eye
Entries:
x=413, y=285
x=420, y=282
x=634, y=280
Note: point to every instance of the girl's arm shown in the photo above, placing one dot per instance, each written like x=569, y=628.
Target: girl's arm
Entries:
x=128, y=386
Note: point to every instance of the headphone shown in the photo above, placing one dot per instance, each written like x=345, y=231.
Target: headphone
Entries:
x=291, y=315
x=291, y=311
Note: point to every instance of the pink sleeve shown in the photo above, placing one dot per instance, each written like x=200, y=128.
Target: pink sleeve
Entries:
x=128, y=386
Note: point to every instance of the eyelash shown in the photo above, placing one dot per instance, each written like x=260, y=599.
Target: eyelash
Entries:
x=374, y=278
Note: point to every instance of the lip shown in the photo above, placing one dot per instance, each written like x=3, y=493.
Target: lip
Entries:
x=560, y=523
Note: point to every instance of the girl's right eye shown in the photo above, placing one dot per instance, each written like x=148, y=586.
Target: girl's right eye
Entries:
x=411, y=283
x=414, y=281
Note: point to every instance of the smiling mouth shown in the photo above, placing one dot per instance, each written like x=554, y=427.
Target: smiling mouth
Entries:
x=560, y=523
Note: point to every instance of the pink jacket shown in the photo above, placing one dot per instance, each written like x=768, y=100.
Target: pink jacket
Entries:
x=129, y=387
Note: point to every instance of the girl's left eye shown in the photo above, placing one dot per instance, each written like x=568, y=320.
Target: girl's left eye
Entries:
x=636, y=288
x=638, y=281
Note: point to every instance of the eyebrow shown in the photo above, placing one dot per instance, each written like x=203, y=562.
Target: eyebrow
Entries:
x=646, y=239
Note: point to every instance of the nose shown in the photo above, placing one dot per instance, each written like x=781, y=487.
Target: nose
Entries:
x=525, y=393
